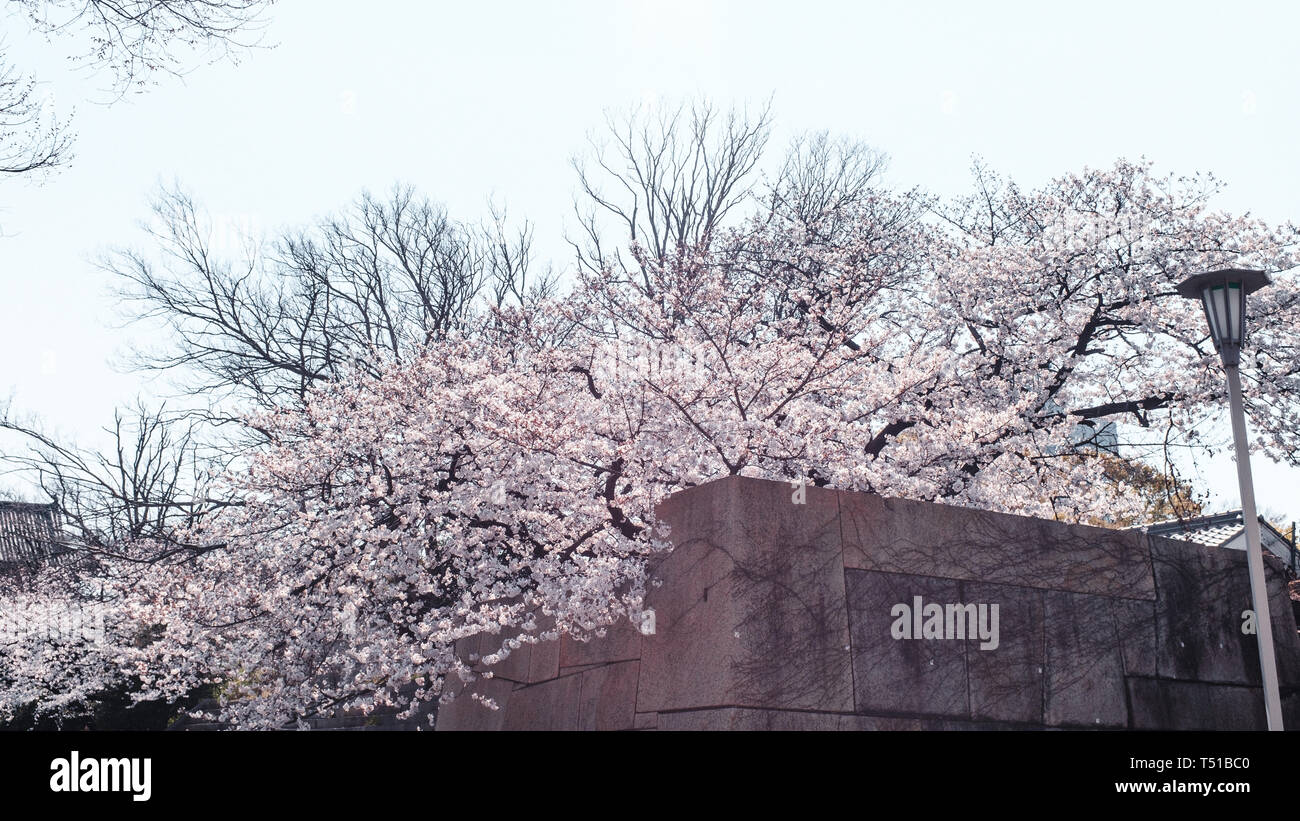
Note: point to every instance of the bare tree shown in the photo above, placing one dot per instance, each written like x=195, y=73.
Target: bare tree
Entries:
x=823, y=182
x=668, y=179
x=154, y=482
x=508, y=257
x=371, y=285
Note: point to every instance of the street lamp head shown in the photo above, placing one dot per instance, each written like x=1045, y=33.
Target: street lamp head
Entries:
x=1223, y=296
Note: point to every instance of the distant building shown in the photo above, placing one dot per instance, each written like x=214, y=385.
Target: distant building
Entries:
x=1093, y=435
x=1228, y=530
x=1104, y=438
x=31, y=535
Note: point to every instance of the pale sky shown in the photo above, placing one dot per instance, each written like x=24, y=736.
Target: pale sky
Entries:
x=472, y=100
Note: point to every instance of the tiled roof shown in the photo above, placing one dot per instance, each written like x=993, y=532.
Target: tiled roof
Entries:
x=1215, y=530
x=29, y=533
x=1212, y=534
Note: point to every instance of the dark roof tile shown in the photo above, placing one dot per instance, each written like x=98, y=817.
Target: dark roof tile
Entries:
x=30, y=533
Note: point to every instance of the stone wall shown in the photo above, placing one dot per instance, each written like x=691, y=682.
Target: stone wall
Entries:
x=776, y=615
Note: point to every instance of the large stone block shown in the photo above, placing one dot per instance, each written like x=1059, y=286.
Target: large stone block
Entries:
x=621, y=642
x=917, y=676
x=1085, y=661
x=1203, y=592
x=751, y=607
x=901, y=536
x=1286, y=639
x=466, y=713
x=686, y=663
x=551, y=705
x=789, y=601
x=608, y=695
x=1135, y=628
x=1161, y=704
x=1007, y=683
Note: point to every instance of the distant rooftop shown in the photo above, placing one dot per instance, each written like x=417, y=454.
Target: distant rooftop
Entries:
x=1221, y=530
x=30, y=534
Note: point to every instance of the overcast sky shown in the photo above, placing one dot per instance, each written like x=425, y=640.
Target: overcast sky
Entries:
x=471, y=100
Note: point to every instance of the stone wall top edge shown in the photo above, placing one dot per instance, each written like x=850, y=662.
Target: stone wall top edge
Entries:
x=720, y=483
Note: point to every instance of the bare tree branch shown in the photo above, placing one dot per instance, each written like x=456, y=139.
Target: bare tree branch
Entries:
x=32, y=139
x=132, y=40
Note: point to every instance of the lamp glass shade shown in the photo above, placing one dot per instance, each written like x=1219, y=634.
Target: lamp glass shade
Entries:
x=1236, y=330
x=1224, y=309
x=1215, y=307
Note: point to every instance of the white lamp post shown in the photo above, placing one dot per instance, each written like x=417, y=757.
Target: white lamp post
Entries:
x=1223, y=295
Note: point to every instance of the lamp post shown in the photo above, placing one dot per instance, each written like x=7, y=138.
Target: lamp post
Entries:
x=1223, y=296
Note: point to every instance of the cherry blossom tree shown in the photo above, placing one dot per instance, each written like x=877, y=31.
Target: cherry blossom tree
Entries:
x=502, y=479
x=1067, y=294
x=394, y=516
